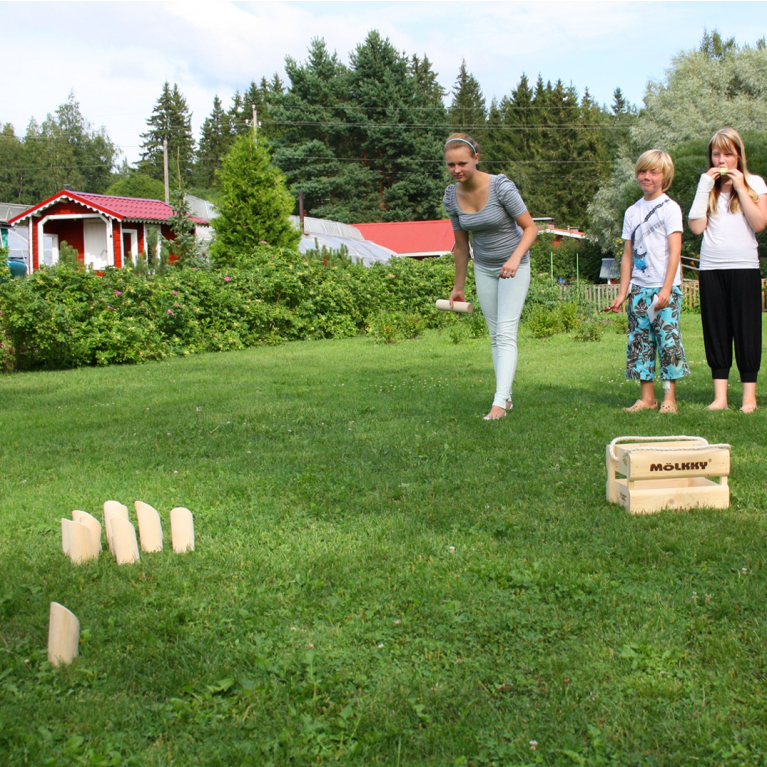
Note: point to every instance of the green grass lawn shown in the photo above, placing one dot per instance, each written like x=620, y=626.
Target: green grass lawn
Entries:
x=381, y=577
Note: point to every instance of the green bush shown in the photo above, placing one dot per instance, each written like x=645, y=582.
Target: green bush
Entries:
x=620, y=322
x=545, y=320
x=391, y=327
x=589, y=329
x=65, y=317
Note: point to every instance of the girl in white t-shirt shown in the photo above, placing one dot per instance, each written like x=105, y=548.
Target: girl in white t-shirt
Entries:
x=730, y=206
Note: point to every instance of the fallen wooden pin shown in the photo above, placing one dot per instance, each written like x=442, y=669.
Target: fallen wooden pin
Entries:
x=182, y=529
x=63, y=635
x=149, y=526
x=667, y=473
x=462, y=307
x=76, y=541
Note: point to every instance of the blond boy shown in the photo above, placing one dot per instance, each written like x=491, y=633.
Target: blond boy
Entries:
x=650, y=279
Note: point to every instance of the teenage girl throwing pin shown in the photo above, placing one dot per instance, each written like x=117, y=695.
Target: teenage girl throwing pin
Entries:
x=491, y=208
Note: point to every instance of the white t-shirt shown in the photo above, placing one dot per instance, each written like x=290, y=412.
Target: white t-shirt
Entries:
x=650, y=239
x=729, y=242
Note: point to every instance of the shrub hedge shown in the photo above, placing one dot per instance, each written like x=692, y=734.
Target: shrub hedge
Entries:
x=64, y=318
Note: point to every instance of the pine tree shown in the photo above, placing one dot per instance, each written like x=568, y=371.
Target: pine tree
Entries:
x=467, y=110
x=253, y=204
x=315, y=134
x=426, y=80
x=170, y=121
x=397, y=132
x=216, y=138
x=620, y=105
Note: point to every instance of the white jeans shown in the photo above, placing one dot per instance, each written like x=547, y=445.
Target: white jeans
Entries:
x=502, y=301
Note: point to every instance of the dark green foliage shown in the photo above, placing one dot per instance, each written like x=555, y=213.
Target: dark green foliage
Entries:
x=553, y=145
x=12, y=178
x=138, y=185
x=253, y=205
x=184, y=248
x=68, y=256
x=216, y=137
x=571, y=257
x=364, y=141
x=468, y=111
x=61, y=318
x=171, y=121
x=391, y=327
x=66, y=151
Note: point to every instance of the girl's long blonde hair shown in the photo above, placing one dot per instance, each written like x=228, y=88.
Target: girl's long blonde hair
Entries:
x=728, y=140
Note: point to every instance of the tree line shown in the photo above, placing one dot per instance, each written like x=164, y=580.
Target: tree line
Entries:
x=363, y=140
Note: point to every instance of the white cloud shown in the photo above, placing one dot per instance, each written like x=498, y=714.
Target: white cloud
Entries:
x=116, y=56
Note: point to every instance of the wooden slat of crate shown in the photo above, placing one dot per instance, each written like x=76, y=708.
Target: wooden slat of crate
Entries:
x=657, y=464
x=649, y=496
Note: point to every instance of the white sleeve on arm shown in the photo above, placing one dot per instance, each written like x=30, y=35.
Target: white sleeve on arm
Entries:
x=673, y=219
x=699, y=208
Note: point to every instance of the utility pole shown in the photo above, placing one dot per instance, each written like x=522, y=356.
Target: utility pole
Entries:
x=165, y=169
x=255, y=126
x=301, y=210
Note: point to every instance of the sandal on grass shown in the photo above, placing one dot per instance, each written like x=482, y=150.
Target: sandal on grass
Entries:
x=639, y=405
x=668, y=407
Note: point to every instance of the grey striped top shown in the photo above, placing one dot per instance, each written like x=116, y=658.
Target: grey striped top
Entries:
x=494, y=231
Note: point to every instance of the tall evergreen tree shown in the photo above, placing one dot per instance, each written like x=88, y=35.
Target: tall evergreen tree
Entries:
x=467, y=110
x=426, y=80
x=397, y=132
x=170, y=120
x=216, y=138
x=313, y=143
x=253, y=203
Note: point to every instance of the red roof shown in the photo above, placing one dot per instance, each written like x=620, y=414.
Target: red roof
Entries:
x=121, y=208
x=411, y=237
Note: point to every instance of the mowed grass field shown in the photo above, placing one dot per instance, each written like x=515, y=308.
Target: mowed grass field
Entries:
x=380, y=576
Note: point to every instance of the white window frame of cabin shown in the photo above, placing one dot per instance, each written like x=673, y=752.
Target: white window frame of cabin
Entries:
x=133, y=244
x=54, y=249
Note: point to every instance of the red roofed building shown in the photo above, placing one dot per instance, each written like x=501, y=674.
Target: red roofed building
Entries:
x=415, y=239
x=105, y=230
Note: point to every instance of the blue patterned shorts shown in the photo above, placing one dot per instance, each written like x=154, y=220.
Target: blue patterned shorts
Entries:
x=661, y=337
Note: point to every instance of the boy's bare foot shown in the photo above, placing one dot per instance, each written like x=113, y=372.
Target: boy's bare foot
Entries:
x=718, y=405
x=495, y=413
x=640, y=404
x=668, y=406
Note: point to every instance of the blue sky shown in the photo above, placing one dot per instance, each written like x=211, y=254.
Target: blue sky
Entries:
x=116, y=55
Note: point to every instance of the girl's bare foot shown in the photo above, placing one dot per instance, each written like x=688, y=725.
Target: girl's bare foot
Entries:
x=495, y=413
x=718, y=404
x=639, y=405
x=748, y=407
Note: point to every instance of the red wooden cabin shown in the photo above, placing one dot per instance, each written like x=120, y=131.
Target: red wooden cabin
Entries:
x=105, y=230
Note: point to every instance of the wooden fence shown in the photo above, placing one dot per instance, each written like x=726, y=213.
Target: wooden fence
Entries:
x=601, y=296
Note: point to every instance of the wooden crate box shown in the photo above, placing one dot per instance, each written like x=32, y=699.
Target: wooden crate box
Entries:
x=667, y=473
